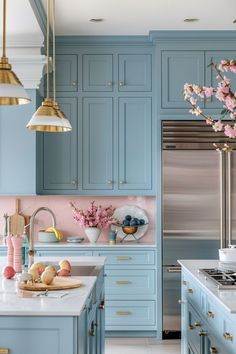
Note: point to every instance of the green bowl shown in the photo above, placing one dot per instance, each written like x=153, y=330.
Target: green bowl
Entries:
x=46, y=236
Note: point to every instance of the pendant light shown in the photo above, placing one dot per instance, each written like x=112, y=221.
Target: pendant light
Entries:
x=11, y=90
x=47, y=117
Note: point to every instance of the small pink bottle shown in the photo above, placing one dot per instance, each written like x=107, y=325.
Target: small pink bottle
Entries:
x=17, y=259
x=10, y=251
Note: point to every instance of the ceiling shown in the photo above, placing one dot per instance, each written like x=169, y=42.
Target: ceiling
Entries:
x=136, y=17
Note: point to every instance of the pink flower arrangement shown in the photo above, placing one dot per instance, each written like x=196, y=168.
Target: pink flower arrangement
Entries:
x=94, y=216
x=223, y=93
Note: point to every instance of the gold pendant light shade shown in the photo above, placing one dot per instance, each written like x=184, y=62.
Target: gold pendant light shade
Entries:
x=11, y=90
x=47, y=119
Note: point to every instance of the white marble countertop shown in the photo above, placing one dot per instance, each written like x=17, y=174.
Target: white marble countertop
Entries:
x=226, y=298
x=70, y=305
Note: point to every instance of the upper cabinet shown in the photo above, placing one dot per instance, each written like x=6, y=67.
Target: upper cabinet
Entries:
x=109, y=151
x=98, y=72
x=67, y=77
x=135, y=72
x=179, y=67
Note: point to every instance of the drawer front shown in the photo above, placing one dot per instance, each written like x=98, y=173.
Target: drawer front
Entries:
x=126, y=282
x=213, y=316
x=191, y=291
x=128, y=257
x=130, y=313
x=62, y=253
x=229, y=335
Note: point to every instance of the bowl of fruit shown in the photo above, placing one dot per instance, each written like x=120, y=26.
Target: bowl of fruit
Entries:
x=132, y=222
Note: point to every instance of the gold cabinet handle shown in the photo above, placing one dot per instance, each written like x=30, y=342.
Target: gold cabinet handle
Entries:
x=122, y=258
x=123, y=282
x=202, y=334
x=213, y=350
x=190, y=291
x=109, y=83
x=121, y=83
x=4, y=350
x=102, y=305
x=191, y=327
x=74, y=83
x=210, y=314
x=121, y=313
x=197, y=324
x=228, y=336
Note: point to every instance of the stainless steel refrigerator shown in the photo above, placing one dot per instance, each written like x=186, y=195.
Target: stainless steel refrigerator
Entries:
x=199, y=203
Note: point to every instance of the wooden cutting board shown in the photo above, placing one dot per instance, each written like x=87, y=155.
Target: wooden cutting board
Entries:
x=16, y=222
x=59, y=283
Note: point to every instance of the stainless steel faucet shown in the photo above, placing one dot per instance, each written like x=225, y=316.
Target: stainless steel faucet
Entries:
x=31, y=251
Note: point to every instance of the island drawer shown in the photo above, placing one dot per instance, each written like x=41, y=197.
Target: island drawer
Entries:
x=126, y=314
x=61, y=253
x=130, y=282
x=192, y=291
x=128, y=257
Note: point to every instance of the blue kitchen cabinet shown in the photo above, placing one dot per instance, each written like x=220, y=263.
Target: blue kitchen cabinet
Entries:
x=135, y=72
x=180, y=67
x=57, y=167
x=18, y=148
x=67, y=68
x=98, y=144
x=97, y=72
x=211, y=73
x=135, y=144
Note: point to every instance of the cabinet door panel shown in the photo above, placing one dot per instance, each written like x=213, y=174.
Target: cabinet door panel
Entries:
x=135, y=72
x=97, y=72
x=97, y=143
x=179, y=67
x=67, y=72
x=135, y=142
x=211, y=74
x=60, y=153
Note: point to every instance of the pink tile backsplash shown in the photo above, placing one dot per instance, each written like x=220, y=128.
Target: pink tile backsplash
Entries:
x=65, y=222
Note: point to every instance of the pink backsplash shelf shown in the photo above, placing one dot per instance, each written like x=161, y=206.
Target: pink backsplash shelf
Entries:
x=65, y=222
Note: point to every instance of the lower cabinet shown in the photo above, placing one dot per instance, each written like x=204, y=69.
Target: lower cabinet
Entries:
x=206, y=327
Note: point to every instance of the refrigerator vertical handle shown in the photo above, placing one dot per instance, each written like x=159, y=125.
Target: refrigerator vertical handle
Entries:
x=229, y=199
x=222, y=200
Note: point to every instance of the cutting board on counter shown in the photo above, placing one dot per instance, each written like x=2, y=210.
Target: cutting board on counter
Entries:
x=59, y=283
x=16, y=222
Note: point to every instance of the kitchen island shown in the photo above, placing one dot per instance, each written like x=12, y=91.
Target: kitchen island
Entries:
x=208, y=314
x=71, y=324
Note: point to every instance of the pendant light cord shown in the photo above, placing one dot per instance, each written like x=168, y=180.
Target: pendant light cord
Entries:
x=54, y=50
x=48, y=62
x=4, y=30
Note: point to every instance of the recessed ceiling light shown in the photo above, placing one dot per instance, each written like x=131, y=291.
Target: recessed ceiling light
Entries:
x=191, y=19
x=96, y=20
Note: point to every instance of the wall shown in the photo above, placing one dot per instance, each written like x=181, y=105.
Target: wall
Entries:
x=62, y=210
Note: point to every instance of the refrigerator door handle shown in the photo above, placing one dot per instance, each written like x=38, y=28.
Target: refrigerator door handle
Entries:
x=222, y=200
x=229, y=199
x=174, y=269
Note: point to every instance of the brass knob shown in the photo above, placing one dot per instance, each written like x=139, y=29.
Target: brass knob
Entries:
x=74, y=83
x=197, y=324
x=228, y=336
x=191, y=327
x=73, y=182
x=122, y=182
x=202, y=334
x=4, y=350
x=109, y=182
x=102, y=305
x=190, y=291
x=109, y=83
x=121, y=83
x=213, y=350
x=210, y=314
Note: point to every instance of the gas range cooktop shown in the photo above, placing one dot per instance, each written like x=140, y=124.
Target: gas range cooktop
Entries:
x=222, y=279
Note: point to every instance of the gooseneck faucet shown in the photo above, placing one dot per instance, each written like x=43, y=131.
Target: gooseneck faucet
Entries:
x=31, y=251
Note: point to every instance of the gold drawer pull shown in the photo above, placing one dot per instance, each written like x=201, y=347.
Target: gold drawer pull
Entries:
x=123, y=282
x=190, y=291
x=123, y=313
x=122, y=258
x=197, y=324
x=184, y=282
x=213, y=350
x=202, y=334
x=228, y=336
x=4, y=350
x=191, y=327
x=210, y=314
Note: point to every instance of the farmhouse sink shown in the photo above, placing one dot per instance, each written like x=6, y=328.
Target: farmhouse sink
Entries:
x=86, y=271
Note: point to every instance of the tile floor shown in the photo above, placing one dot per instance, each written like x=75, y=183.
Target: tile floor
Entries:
x=141, y=346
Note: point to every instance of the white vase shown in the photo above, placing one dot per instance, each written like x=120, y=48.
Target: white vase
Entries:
x=92, y=233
